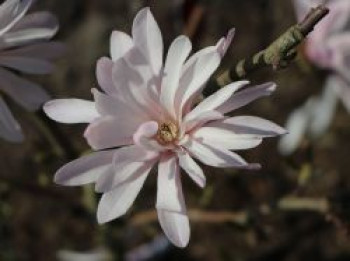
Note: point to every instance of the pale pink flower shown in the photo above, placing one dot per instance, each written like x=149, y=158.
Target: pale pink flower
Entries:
x=24, y=48
x=328, y=47
x=146, y=117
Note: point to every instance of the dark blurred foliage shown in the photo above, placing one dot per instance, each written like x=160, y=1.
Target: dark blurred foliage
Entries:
x=38, y=218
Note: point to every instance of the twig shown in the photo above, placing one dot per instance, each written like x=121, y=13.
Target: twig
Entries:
x=280, y=53
x=241, y=218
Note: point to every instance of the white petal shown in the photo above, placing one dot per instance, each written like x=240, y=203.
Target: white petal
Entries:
x=176, y=227
x=177, y=54
x=128, y=162
x=192, y=168
x=200, y=120
x=148, y=38
x=28, y=94
x=71, y=110
x=11, y=11
x=27, y=65
x=324, y=110
x=249, y=126
x=115, y=203
x=215, y=156
x=198, y=73
x=109, y=132
x=121, y=43
x=225, y=138
x=246, y=96
x=215, y=100
x=297, y=125
x=169, y=188
x=104, y=68
x=226, y=42
x=86, y=169
x=9, y=127
x=50, y=50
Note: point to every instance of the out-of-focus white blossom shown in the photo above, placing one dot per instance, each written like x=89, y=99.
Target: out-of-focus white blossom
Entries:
x=24, y=48
x=328, y=47
x=147, y=117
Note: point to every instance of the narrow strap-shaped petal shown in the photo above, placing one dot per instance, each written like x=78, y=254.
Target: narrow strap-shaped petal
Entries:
x=200, y=120
x=11, y=11
x=249, y=126
x=192, y=169
x=10, y=130
x=109, y=132
x=297, y=125
x=196, y=75
x=71, y=110
x=127, y=162
x=246, y=96
x=27, y=65
x=176, y=226
x=104, y=68
x=225, y=138
x=116, y=202
x=215, y=100
x=169, y=188
x=177, y=54
x=120, y=44
x=86, y=169
x=225, y=43
x=148, y=38
x=46, y=50
x=215, y=156
x=28, y=94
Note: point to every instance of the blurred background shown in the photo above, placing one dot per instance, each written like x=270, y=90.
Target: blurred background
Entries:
x=240, y=215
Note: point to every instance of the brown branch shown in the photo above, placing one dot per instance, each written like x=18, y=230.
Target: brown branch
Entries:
x=280, y=53
x=241, y=218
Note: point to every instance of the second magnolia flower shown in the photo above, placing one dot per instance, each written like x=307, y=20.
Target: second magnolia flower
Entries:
x=146, y=115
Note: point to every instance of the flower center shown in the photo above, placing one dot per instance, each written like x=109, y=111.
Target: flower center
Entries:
x=167, y=133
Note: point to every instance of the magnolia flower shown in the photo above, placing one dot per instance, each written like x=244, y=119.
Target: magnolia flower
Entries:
x=146, y=117
x=328, y=47
x=24, y=48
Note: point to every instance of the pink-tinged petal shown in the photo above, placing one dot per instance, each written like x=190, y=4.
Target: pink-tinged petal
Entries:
x=120, y=44
x=342, y=88
x=86, y=169
x=192, y=169
x=11, y=11
x=176, y=227
x=28, y=94
x=146, y=130
x=109, y=132
x=148, y=38
x=116, y=202
x=27, y=65
x=216, y=156
x=50, y=50
x=9, y=127
x=249, y=126
x=127, y=162
x=322, y=114
x=339, y=48
x=246, y=96
x=297, y=126
x=215, y=100
x=302, y=7
x=225, y=43
x=71, y=110
x=225, y=138
x=132, y=88
x=201, y=120
x=196, y=75
x=177, y=54
x=117, y=108
x=34, y=27
x=104, y=68
x=169, y=188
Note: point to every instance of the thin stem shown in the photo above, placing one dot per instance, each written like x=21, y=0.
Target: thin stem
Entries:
x=280, y=53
